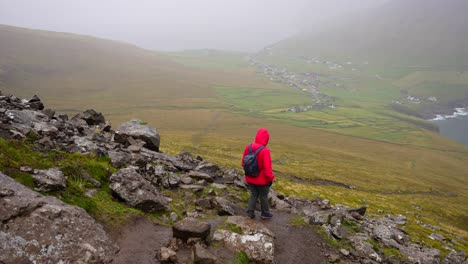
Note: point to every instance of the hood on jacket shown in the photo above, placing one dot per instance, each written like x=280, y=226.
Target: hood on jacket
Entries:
x=262, y=137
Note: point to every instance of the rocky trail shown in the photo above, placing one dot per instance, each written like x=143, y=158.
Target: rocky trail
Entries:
x=140, y=240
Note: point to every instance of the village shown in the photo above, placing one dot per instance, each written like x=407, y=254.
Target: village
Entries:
x=307, y=82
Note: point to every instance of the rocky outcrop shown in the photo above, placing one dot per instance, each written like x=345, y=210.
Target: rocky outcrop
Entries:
x=39, y=229
x=135, y=129
x=129, y=186
x=255, y=239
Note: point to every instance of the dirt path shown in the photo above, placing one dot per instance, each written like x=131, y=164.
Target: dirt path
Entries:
x=140, y=239
x=295, y=244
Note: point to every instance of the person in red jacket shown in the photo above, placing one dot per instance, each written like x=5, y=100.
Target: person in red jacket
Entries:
x=259, y=186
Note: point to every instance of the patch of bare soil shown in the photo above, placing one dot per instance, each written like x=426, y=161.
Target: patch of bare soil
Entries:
x=140, y=241
x=296, y=244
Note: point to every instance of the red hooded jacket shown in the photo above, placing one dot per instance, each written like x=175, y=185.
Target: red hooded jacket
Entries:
x=263, y=158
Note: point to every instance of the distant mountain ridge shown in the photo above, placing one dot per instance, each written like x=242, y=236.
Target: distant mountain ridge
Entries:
x=400, y=32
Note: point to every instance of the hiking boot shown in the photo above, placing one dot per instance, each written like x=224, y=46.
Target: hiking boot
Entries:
x=266, y=215
x=251, y=214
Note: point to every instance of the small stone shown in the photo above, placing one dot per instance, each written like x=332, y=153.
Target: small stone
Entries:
x=168, y=255
x=344, y=252
x=186, y=180
x=26, y=169
x=173, y=216
x=201, y=255
x=218, y=186
x=333, y=258
x=91, y=192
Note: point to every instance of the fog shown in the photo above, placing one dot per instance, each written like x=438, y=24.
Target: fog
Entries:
x=244, y=25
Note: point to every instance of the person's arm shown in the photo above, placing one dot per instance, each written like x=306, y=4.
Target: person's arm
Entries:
x=267, y=169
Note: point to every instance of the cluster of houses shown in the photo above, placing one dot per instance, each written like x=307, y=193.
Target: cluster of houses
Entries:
x=416, y=100
x=304, y=81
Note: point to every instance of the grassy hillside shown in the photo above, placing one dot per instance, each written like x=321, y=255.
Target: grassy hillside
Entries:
x=399, y=33
x=211, y=103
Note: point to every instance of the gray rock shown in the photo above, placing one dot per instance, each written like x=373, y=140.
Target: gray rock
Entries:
x=224, y=206
x=360, y=210
x=197, y=188
x=78, y=121
x=190, y=227
x=382, y=232
x=134, y=190
x=46, y=129
x=209, y=168
x=26, y=117
x=204, y=203
x=85, y=144
x=186, y=180
x=167, y=256
x=93, y=118
x=364, y=248
x=200, y=176
x=45, y=230
x=91, y=192
x=319, y=217
x=26, y=169
x=399, y=219
x=256, y=240
x=435, y=236
x=49, y=180
x=454, y=257
x=201, y=255
x=344, y=252
x=173, y=216
x=119, y=159
x=35, y=103
x=49, y=113
x=218, y=186
x=418, y=254
x=137, y=130
x=170, y=180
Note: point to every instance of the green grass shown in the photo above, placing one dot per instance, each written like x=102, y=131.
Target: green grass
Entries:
x=241, y=258
x=102, y=206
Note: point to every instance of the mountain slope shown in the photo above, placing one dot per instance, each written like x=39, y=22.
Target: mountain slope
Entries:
x=409, y=33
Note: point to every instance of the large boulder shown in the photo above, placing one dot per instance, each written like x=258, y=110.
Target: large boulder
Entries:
x=255, y=239
x=128, y=185
x=26, y=117
x=137, y=130
x=49, y=180
x=93, y=118
x=42, y=229
x=191, y=228
x=224, y=206
x=209, y=168
x=35, y=103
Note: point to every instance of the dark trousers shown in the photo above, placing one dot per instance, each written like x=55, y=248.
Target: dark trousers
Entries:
x=258, y=191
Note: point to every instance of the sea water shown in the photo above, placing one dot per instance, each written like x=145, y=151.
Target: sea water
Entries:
x=454, y=126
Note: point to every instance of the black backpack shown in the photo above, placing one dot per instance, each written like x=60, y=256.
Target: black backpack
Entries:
x=250, y=162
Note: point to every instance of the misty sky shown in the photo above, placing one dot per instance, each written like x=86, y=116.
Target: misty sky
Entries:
x=245, y=25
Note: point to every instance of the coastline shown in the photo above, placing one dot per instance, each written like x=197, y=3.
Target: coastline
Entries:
x=459, y=112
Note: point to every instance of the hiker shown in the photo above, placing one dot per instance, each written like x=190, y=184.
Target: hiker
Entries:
x=259, y=174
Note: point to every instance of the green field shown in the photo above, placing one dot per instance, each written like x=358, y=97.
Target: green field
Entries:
x=212, y=103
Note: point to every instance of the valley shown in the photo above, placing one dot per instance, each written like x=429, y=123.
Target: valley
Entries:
x=211, y=102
